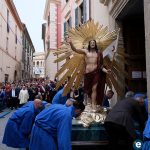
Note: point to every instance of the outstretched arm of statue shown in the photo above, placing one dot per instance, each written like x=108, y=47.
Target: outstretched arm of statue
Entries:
x=80, y=51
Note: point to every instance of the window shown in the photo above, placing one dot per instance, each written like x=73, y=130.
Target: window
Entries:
x=34, y=64
x=65, y=28
x=48, y=19
x=16, y=34
x=7, y=21
x=84, y=11
x=81, y=18
x=48, y=45
x=67, y=1
x=76, y=17
x=7, y=43
x=15, y=51
x=69, y=22
x=37, y=63
x=6, y=77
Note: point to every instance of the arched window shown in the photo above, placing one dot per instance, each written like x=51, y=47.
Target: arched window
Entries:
x=37, y=63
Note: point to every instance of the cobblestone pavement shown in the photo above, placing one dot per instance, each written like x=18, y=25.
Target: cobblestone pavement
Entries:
x=3, y=122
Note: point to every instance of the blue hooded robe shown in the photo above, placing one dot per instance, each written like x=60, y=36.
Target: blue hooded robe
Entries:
x=58, y=98
x=146, y=136
x=52, y=129
x=19, y=126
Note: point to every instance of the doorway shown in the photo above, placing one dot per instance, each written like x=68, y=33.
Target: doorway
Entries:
x=132, y=21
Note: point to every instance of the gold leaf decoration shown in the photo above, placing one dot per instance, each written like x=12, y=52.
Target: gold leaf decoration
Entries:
x=74, y=64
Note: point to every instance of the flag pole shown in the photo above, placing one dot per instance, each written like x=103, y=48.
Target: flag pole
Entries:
x=115, y=49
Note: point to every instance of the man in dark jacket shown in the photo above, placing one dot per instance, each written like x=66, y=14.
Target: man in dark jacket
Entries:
x=119, y=123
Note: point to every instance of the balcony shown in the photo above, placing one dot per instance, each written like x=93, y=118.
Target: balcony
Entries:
x=66, y=9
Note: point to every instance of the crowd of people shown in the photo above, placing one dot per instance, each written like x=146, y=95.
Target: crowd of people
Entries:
x=54, y=123
x=16, y=94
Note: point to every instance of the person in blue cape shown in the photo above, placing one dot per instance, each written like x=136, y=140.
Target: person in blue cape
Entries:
x=70, y=102
x=146, y=136
x=19, y=125
x=142, y=98
x=146, y=104
x=59, y=98
x=52, y=127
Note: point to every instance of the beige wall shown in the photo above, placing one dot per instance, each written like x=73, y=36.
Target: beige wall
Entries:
x=39, y=58
x=51, y=36
x=99, y=13
x=147, y=42
x=11, y=54
x=51, y=67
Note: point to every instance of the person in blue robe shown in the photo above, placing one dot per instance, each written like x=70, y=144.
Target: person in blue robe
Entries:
x=19, y=125
x=59, y=99
x=146, y=136
x=52, y=127
x=70, y=102
x=146, y=104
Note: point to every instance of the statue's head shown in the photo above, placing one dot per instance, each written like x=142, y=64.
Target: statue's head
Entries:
x=92, y=45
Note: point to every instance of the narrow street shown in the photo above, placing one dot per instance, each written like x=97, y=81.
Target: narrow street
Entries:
x=88, y=59
x=3, y=122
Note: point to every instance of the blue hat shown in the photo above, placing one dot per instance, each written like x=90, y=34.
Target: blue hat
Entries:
x=139, y=95
x=44, y=103
x=71, y=99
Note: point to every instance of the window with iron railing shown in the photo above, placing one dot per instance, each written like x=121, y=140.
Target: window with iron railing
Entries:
x=7, y=21
x=16, y=34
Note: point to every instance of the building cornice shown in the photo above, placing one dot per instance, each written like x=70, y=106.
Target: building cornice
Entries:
x=47, y=7
x=105, y=2
x=117, y=7
x=14, y=12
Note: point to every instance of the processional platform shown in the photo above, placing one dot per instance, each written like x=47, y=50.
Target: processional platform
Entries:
x=87, y=138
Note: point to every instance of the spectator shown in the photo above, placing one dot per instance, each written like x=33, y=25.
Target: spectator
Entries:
x=108, y=95
x=129, y=94
x=23, y=96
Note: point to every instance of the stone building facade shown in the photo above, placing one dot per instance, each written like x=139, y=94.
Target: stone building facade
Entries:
x=132, y=19
x=16, y=47
x=27, y=54
x=51, y=34
x=39, y=65
x=10, y=42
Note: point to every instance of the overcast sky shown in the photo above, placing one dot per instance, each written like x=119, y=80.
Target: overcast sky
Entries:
x=31, y=13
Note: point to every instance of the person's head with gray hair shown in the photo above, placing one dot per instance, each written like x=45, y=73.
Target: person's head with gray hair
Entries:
x=129, y=94
x=70, y=102
x=140, y=98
